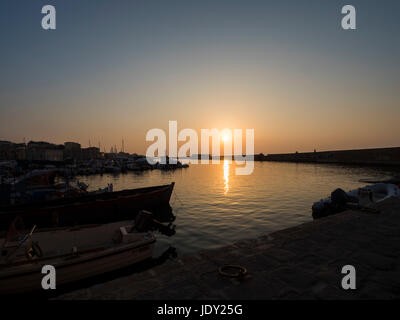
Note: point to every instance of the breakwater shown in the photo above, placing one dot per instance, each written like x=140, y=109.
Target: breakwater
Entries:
x=378, y=157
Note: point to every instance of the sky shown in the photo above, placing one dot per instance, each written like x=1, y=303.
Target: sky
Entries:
x=113, y=70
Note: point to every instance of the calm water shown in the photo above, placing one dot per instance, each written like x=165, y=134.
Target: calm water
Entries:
x=214, y=207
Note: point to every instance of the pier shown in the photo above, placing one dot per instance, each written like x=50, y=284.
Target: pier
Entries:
x=302, y=262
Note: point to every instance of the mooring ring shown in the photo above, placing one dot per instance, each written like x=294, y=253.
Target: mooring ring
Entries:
x=241, y=273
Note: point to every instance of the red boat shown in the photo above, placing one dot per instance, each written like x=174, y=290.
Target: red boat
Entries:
x=88, y=209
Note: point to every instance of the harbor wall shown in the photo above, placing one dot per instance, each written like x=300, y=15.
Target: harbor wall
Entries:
x=381, y=156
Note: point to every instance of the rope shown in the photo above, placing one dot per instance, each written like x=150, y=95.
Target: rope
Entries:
x=177, y=198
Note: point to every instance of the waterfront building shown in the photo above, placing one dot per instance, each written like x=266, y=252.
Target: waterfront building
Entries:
x=44, y=151
x=91, y=153
x=72, y=150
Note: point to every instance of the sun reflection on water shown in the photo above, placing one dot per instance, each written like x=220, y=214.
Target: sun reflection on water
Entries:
x=226, y=177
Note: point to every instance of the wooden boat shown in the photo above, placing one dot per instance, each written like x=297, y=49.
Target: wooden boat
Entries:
x=88, y=208
x=76, y=254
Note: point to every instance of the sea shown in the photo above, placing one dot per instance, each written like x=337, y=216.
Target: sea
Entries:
x=215, y=207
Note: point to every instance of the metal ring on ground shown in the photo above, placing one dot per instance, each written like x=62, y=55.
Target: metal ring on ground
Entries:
x=241, y=273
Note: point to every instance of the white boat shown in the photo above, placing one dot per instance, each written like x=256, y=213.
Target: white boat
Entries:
x=361, y=197
x=76, y=254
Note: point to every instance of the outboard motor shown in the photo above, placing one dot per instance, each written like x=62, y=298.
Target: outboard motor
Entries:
x=145, y=222
x=337, y=204
x=339, y=198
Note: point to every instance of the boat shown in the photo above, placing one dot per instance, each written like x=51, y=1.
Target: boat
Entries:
x=75, y=253
x=88, y=208
x=340, y=200
x=112, y=168
x=34, y=177
x=27, y=193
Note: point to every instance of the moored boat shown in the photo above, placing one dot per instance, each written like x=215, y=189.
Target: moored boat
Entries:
x=76, y=254
x=340, y=200
x=88, y=208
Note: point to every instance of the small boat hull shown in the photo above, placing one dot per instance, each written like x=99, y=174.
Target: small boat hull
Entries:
x=27, y=277
x=88, y=209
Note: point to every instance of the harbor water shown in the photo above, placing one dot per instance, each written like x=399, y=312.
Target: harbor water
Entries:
x=215, y=207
